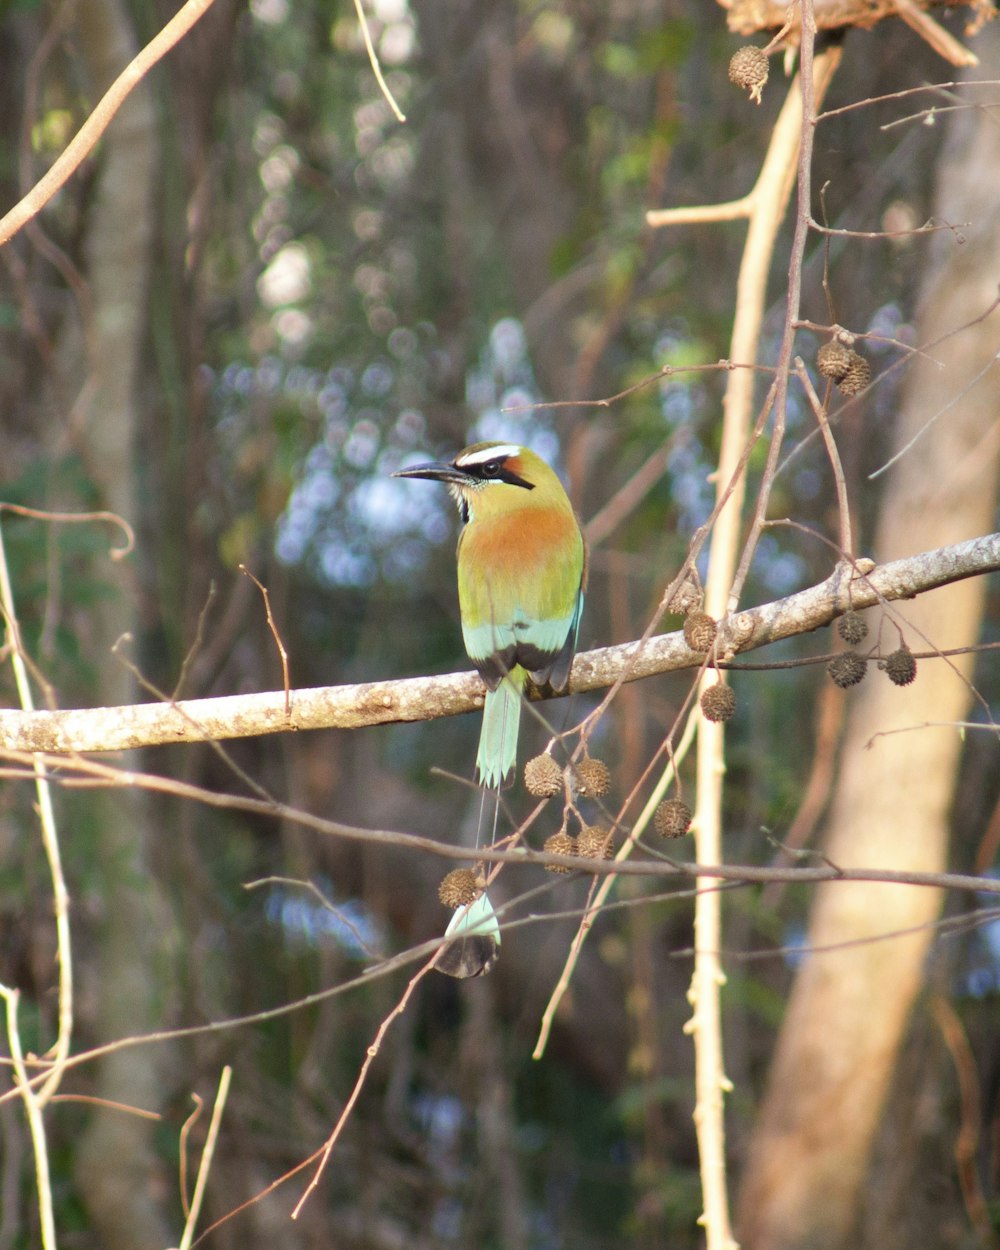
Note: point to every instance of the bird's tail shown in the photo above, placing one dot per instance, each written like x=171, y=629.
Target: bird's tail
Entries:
x=498, y=739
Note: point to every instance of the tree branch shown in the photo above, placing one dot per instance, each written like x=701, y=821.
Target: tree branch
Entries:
x=427, y=698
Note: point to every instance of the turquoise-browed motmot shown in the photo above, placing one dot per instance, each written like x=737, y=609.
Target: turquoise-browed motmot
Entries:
x=522, y=570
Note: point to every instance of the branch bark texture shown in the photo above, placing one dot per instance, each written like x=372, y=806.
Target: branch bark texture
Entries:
x=427, y=698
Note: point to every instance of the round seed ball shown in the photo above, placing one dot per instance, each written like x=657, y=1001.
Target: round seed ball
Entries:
x=672, y=819
x=458, y=888
x=833, y=359
x=718, y=703
x=542, y=776
x=699, y=631
x=595, y=842
x=593, y=778
x=852, y=627
x=687, y=597
x=559, y=844
x=748, y=69
x=900, y=666
x=857, y=376
x=847, y=669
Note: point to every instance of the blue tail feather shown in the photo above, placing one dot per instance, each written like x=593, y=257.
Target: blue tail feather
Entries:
x=501, y=720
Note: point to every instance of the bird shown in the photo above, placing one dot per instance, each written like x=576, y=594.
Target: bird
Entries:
x=522, y=574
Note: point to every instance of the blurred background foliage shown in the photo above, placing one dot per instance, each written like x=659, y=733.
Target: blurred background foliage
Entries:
x=332, y=293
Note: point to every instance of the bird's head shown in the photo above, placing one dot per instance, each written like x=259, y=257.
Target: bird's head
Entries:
x=488, y=477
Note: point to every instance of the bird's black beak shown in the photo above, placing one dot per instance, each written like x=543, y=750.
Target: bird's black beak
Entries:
x=437, y=471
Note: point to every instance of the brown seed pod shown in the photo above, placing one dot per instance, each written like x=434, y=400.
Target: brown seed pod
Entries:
x=593, y=778
x=559, y=844
x=857, y=376
x=595, y=842
x=542, y=776
x=852, y=627
x=688, y=596
x=748, y=69
x=699, y=631
x=833, y=359
x=718, y=702
x=672, y=819
x=458, y=888
x=900, y=666
x=847, y=669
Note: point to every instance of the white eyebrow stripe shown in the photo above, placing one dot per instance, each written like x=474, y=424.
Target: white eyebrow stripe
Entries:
x=485, y=454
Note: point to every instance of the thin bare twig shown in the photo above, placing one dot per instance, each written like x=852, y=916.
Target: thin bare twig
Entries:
x=370, y=1055
x=207, y=1155
x=373, y=60
x=196, y=644
x=77, y=518
x=282, y=653
x=310, y=887
x=185, y=1133
x=83, y=142
x=973, y=382
x=929, y=227
x=666, y=371
x=943, y=43
x=32, y=1099
x=940, y=88
x=833, y=455
x=50, y=840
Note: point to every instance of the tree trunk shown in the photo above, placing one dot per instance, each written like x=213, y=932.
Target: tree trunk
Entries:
x=116, y=1167
x=850, y=1006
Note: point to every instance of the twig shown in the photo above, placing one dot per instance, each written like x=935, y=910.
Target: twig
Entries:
x=819, y=412
x=206, y=1159
x=109, y=1104
x=77, y=518
x=370, y=1055
x=935, y=417
x=699, y=214
x=943, y=43
x=118, y=650
x=87, y=136
x=282, y=653
x=869, y=101
x=50, y=841
x=32, y=1100
x=929, y=227
x=182, y=1143
x=666, y=371
x=310, y=887
x=930, y=115
x=924, y=350
x=196, y=644
x=373, y=59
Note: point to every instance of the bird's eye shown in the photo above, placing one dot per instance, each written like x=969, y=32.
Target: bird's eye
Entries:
x=491, y=468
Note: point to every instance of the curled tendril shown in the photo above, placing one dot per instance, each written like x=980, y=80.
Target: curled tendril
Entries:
x=75, y=518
